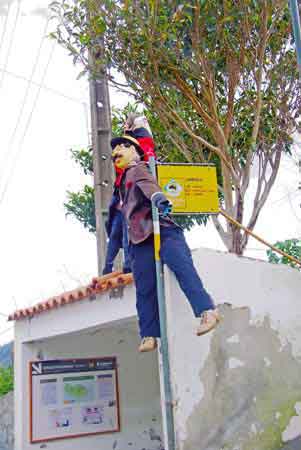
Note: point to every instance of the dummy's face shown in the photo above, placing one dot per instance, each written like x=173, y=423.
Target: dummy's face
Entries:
x=123, y=156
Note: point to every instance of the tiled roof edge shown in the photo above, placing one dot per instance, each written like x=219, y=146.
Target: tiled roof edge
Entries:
x=97, y=285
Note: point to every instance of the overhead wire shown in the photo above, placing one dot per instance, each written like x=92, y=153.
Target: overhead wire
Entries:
x=11, y=41
x=5, y=27
x=87, y=123
x=274, y=202
x=17, y=155
x=30, y=83
x=15, y=302
x=6, y=330
x=26, y=94
x=293, y=209
x=44, y=87
x=80, y=101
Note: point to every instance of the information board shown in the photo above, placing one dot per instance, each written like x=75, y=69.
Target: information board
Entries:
x=72, y=398
x=192, y=188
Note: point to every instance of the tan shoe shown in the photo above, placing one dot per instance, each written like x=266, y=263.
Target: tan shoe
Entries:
x=209, y=320
x=148, y=344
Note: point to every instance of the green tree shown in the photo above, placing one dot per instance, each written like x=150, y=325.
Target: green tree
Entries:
x=220, y=77
x=81, y=205
x=290, y=246
x=6, y=380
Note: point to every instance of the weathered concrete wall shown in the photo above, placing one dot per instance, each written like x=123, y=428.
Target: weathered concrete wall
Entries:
x=7, y=421
x=238, y=388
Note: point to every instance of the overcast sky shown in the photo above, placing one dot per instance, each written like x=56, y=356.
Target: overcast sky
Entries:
x=43, y=113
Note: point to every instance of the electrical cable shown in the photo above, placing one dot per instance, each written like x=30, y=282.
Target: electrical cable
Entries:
x=89, y=137
x=5, y=27
x=6, y=330
x=46, y=88
x=294, y=191
x=24, y=101
x=11, y=41
x=17, y=155
x=292, y=208
x=15, y=302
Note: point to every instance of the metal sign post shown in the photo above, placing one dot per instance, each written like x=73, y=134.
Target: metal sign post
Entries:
x=162, y=314
x=192, y=189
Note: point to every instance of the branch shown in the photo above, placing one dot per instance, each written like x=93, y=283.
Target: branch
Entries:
x=176, y=118
x=182, y=147
x=188, y=93
x=233, y=82
x=261, y=197
x=263, y=37
x=225, y=237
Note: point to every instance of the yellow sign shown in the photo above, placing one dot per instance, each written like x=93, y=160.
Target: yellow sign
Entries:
x=192, y=188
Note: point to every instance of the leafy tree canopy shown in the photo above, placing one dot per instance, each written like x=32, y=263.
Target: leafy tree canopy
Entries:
x=220, y=77
x=81, y=205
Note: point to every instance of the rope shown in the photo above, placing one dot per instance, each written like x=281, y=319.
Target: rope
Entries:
x=275, y=249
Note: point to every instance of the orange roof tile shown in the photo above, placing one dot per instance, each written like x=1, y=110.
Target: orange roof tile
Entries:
x=97, y=285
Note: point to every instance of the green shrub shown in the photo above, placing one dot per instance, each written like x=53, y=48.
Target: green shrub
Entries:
x=6, y=380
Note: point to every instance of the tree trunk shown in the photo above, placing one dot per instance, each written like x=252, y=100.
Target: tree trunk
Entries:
x=236, y=247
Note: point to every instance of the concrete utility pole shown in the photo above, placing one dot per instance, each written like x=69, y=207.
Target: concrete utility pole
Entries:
x=101, y=135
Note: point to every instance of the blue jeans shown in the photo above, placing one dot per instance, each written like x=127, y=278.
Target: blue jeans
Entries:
x=118, y=239
x=176, y=254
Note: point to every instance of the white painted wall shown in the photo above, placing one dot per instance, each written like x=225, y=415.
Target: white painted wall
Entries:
x=239, y=361
x=88, y=313
x=237, y=388
x=141, y=423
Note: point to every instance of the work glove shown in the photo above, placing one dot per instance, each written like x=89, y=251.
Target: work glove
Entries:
x=162, y=203
x=165, y=208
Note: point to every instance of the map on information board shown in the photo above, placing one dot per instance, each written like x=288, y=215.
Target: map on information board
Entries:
x=72, y=398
